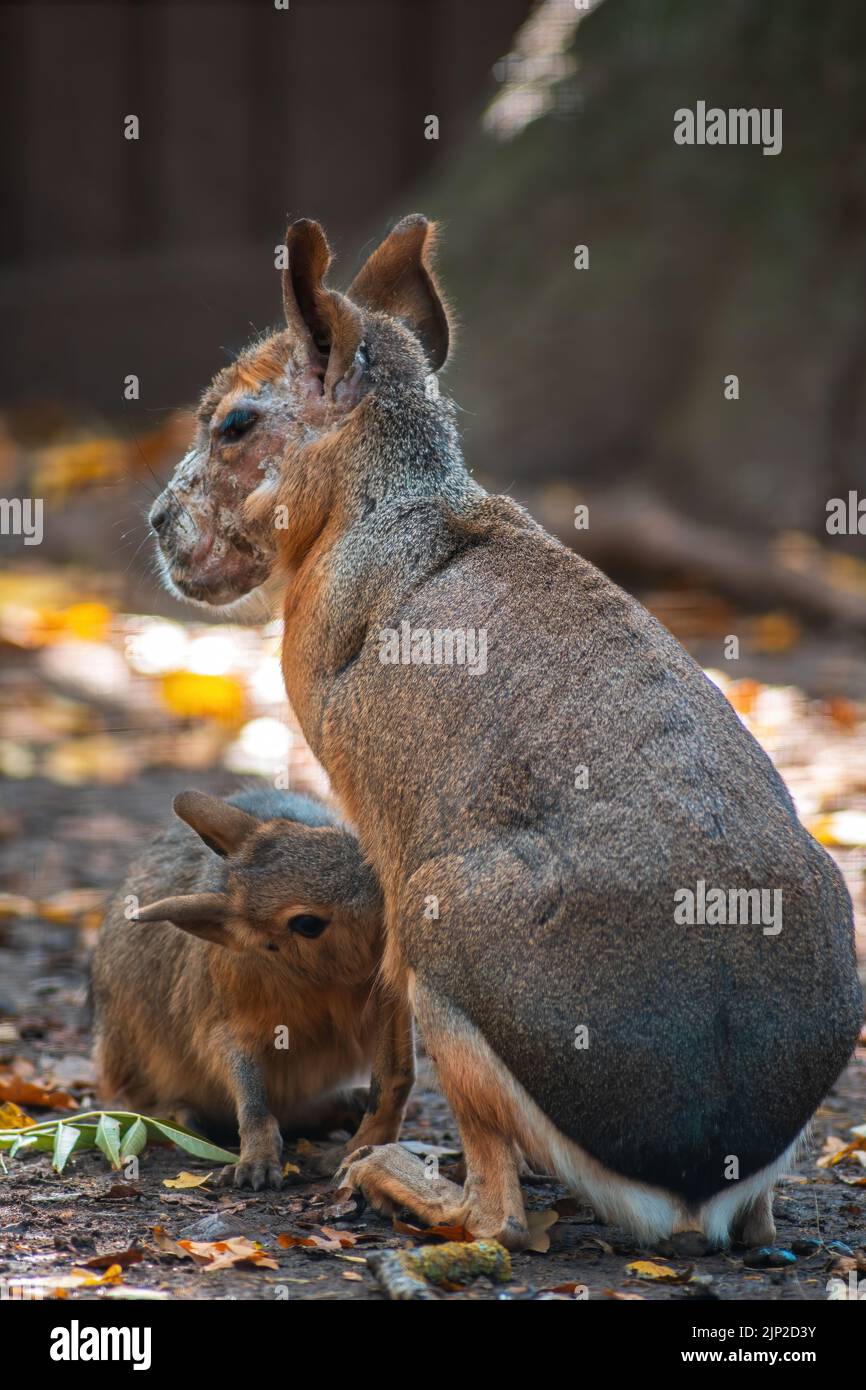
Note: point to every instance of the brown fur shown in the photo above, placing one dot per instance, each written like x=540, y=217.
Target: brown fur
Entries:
x=189, y=996
x=556, y=902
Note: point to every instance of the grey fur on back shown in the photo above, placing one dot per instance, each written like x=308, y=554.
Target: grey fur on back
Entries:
x=557, y=912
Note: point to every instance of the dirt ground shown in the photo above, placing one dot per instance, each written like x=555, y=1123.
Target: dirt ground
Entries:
x=65, y=841
x=53, y=1223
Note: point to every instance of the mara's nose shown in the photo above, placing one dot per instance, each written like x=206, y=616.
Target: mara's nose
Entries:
x=159, y=517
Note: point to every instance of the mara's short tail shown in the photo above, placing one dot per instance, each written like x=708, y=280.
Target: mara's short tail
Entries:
x=650, y=1213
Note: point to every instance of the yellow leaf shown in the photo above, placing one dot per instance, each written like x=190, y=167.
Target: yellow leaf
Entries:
x=837, y=1155
x=90, y=622
x=113, y=1275
x=185, y=1179
x=192, y=695
x=290, y=1168
x=13, y=1117
x=57, y=1285
x=646, y=1269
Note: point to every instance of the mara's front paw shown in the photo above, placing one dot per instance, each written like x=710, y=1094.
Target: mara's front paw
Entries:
x=255, y=1173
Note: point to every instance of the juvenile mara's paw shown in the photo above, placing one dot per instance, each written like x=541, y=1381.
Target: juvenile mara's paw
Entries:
x=254, y=1172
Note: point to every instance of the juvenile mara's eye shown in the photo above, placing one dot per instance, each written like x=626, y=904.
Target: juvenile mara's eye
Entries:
x=236, y=423
x=305, y=924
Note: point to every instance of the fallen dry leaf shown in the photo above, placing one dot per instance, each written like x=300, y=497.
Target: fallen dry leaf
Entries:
x=345, y=1238
x=59, y=1284
x=20, y=1092
x=539, y=1223
x=404, y=1228
x=13, y=1117
x=167, y=1246
x=225, y=1254
x=837, y=1155
x=185, y=1180
x=346, y=1204
x=287, y=1241
x=120, y=1258
x=648, y=1269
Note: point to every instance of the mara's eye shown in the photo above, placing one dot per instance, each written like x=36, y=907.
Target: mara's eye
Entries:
x=236, y=423
x=306, y=924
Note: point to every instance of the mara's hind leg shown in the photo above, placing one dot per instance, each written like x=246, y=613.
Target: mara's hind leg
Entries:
x=391, y=1178
x=754, y=1225
x=490, y=1204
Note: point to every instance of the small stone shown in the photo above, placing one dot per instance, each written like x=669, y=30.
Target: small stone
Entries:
x=684, y=1245
x=838, y=1247
x=806, y=1245
x=214, y=1227
x=769, y=1257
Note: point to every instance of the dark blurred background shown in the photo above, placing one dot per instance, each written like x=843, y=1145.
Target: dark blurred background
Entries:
x=555, y=128
x=154, y=255
x=601, y=387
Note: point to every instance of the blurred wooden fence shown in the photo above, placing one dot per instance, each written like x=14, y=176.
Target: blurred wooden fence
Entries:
x=145, y=256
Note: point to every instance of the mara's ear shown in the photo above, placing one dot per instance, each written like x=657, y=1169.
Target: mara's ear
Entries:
x=397, y=280
x=325, y=325
x=222, y=827
x=202, y=914
x=307, y=261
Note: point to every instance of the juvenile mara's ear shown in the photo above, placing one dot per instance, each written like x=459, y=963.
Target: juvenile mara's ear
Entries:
x=202, y=914
x=222, y=827
x=397, y=280
x=326, y=327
